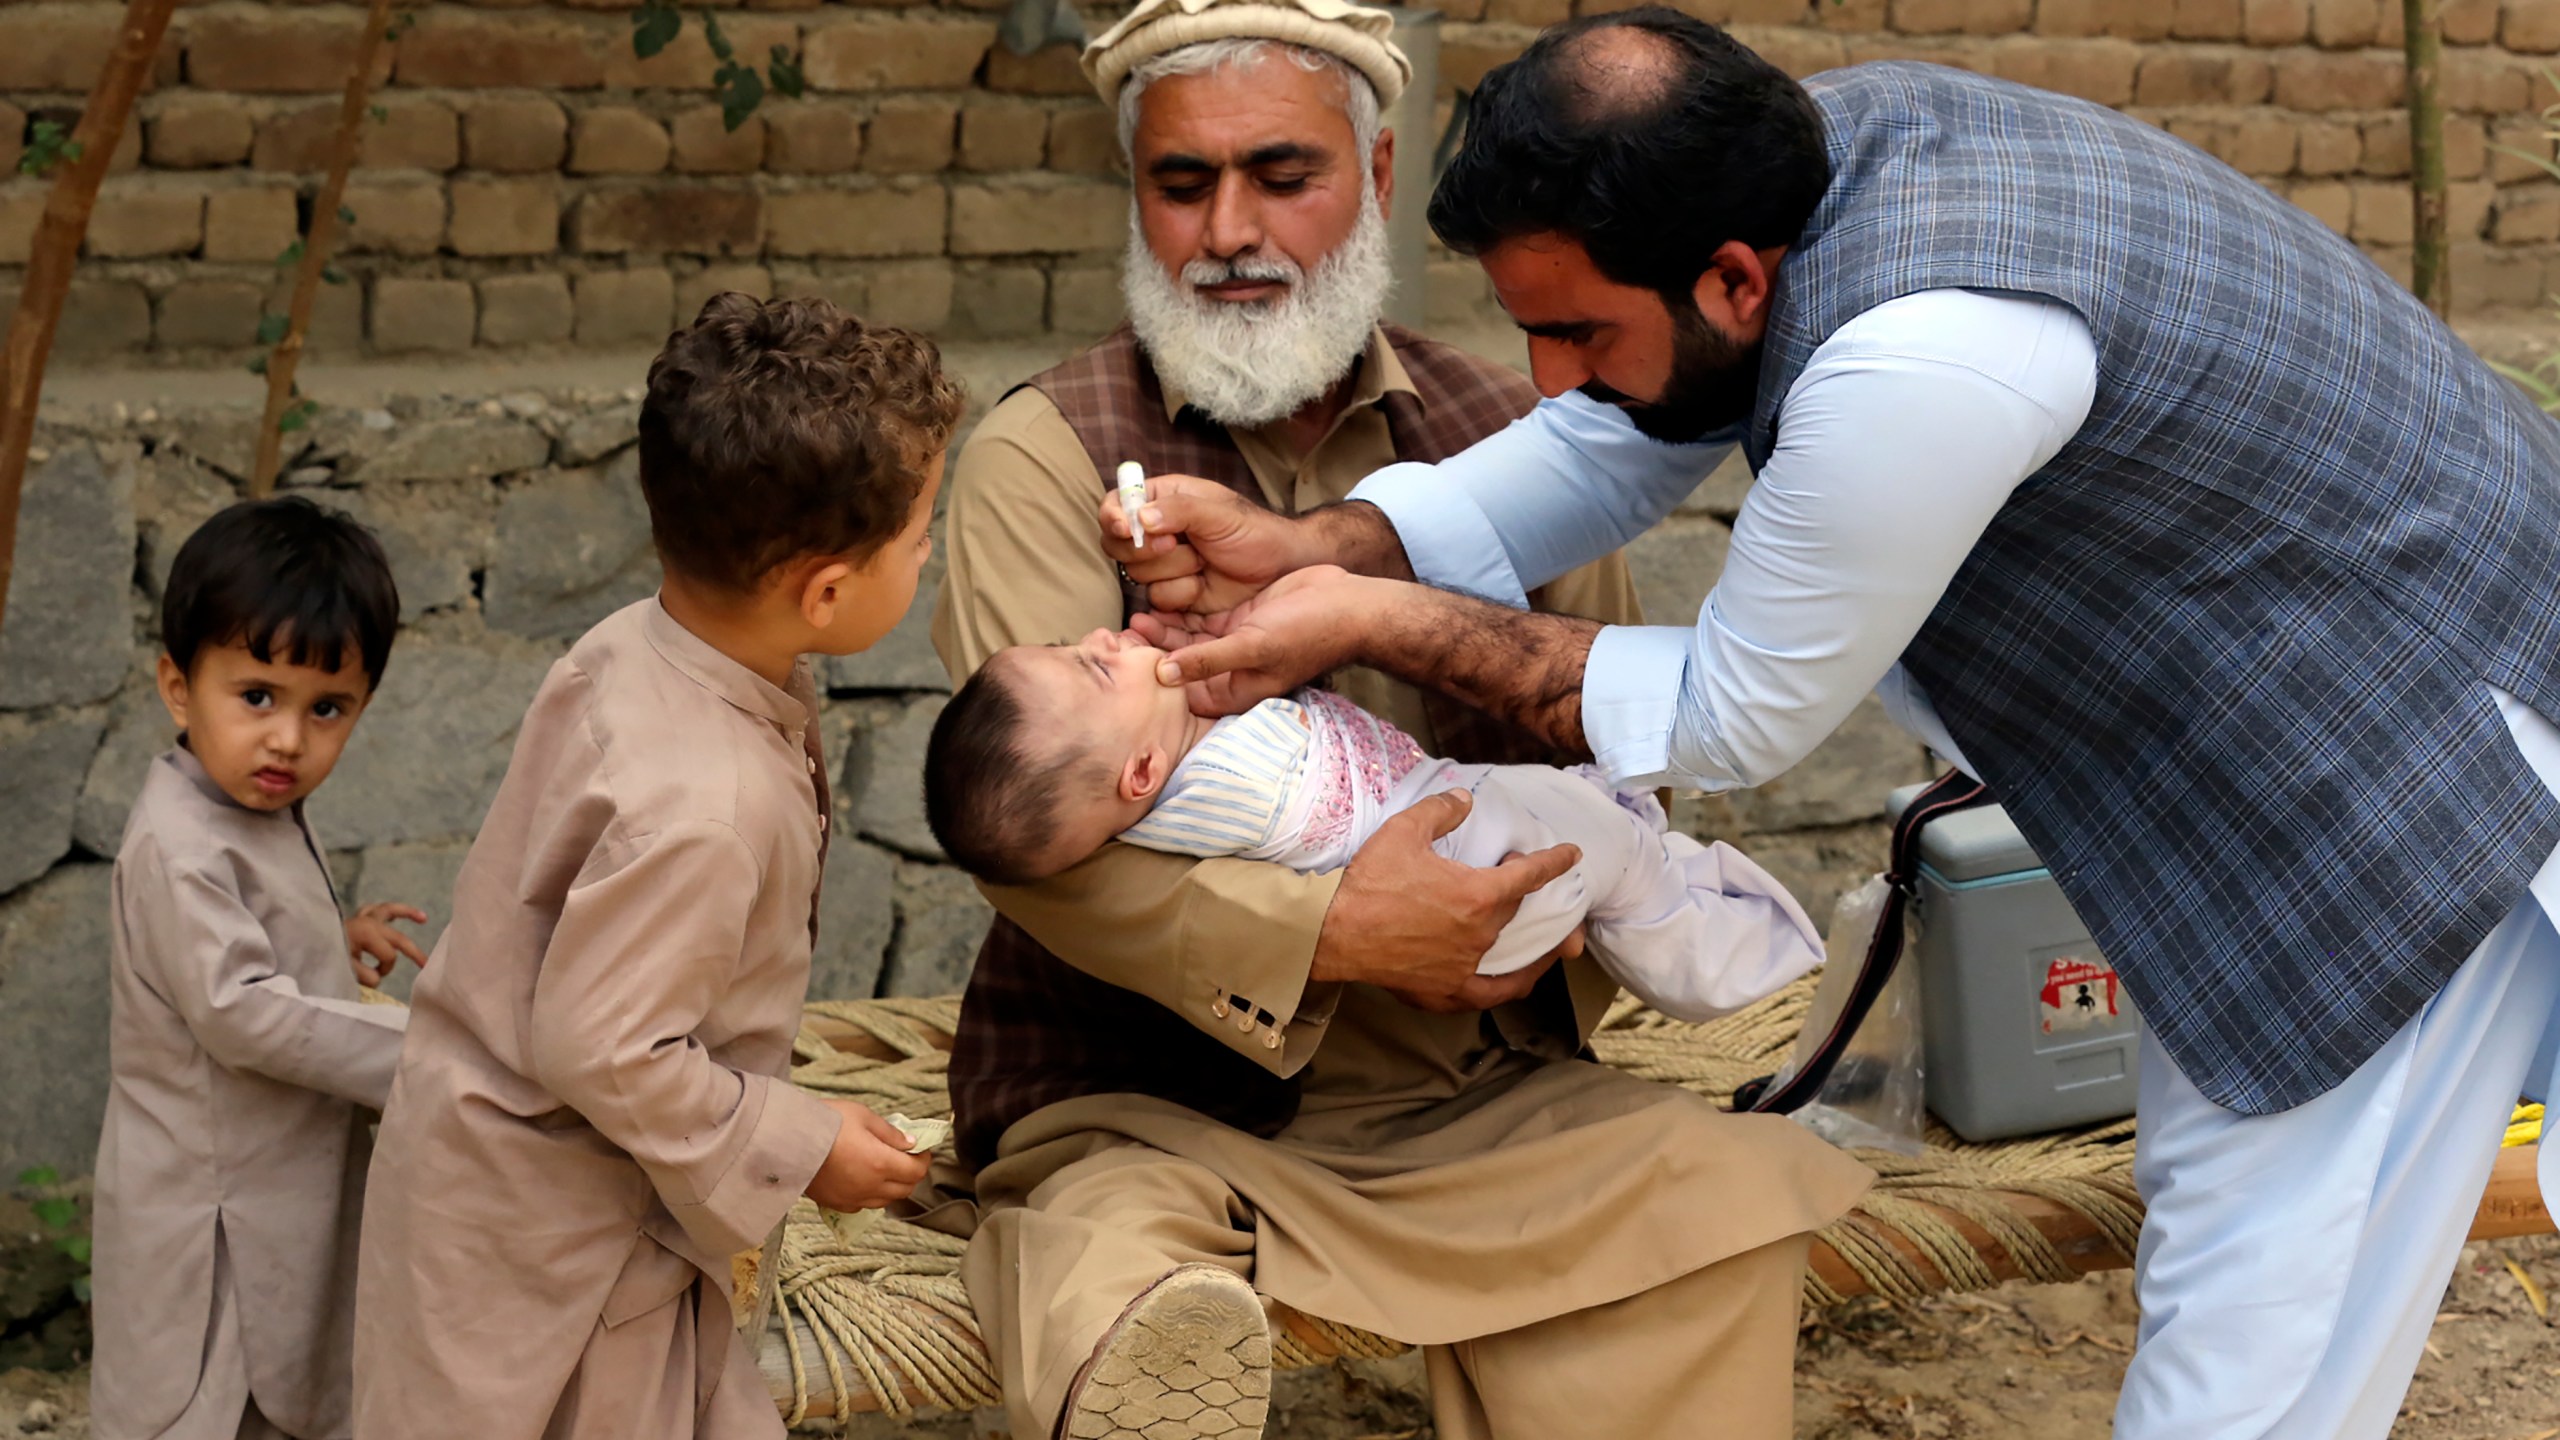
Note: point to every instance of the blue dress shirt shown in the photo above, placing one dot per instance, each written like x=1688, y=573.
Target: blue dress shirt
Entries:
x=1902, y=438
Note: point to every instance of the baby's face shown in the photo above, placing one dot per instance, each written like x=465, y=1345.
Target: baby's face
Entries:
x=1103, y=687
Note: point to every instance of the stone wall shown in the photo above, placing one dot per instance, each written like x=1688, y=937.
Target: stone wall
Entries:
x=531, y=182
x=514, y=523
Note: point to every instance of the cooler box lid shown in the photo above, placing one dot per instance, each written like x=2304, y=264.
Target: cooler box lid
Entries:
x=1975, y=844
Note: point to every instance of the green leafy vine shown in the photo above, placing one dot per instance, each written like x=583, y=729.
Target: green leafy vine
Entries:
x=740, y=86
x=60, y=1218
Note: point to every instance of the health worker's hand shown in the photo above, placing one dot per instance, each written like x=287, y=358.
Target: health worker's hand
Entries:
x=1307, y=623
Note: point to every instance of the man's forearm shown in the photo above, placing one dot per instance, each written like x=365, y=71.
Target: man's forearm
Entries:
x=1522, y=666
x=1358, y=537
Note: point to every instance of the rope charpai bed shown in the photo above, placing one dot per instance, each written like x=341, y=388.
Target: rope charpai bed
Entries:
x=879, y=1322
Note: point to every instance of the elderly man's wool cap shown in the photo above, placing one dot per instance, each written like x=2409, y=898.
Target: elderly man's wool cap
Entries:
x=1358, y=34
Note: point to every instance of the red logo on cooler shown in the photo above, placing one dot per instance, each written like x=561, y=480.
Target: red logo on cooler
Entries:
x=2078, y=994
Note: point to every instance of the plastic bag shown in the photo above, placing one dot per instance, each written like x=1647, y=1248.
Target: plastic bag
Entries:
x=1874, y=1098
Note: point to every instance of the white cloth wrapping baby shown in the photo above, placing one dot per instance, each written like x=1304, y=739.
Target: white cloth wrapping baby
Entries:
x=1694, y=930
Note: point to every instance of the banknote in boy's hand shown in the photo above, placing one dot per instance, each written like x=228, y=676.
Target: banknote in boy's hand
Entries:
x=870, y=1166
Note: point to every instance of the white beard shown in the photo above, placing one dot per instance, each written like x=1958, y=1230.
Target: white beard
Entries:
x=1247, y=364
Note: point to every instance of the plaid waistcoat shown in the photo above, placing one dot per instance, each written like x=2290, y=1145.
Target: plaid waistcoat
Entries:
x=2226, y=657
x=1035, y=1030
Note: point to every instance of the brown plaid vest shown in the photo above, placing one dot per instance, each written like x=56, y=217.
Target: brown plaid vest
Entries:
x=1035, y=1030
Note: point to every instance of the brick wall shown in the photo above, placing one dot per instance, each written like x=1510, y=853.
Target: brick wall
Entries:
x=531, y=182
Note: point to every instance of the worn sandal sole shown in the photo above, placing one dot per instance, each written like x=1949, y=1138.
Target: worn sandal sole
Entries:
x=1188, y=1360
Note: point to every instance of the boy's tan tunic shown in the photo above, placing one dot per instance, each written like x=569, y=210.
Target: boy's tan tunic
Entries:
x=1455, y=1181
x=243, y=1068
x=591, y=1115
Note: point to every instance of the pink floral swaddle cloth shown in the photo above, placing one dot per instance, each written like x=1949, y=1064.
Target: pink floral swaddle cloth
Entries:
x=1695, y=929
x=1303, y=780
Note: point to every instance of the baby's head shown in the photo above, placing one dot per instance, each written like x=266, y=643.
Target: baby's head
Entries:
x=1049, y=751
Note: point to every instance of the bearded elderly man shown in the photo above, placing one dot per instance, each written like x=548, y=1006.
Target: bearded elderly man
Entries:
x=1221, y=1078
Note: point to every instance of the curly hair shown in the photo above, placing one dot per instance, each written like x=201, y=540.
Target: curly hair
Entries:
x=776, y=429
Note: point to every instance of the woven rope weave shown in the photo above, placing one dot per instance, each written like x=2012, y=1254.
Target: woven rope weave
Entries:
x=891, y=1327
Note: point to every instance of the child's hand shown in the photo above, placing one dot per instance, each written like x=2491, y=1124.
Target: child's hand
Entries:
x=370, y=938
x=869, y=1166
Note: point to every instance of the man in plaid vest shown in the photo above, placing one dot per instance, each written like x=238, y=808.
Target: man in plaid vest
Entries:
x=2137, y=494
x=1186, y=1086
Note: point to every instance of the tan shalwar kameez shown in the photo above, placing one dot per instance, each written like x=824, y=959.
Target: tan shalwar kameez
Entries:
x=1584, y=1253
x=242, y=1076
x=591, y=1116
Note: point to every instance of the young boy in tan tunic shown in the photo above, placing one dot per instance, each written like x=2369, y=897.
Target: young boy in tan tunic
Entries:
x=243, y=1069
x=593, y=1113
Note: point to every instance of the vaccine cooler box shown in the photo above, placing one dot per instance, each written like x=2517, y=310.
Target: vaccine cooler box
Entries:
x=2024, y=1025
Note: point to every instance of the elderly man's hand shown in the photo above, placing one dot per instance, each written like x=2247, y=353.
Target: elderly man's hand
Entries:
x=1208, y=550
x=1413, y=922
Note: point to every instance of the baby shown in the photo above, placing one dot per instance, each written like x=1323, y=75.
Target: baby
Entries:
x=1048, y=752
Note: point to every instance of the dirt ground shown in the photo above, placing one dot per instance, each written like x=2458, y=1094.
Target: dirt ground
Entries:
x=2021, y=1363
x=2043, y=1362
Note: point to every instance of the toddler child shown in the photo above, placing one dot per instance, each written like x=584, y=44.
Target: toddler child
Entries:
x=1049, y=751
x=593, y=1115
x=242, y=1067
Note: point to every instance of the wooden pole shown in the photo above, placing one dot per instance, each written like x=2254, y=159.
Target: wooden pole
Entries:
x=2430, y=270
x=56, y=251
x=2511, y=1205
x=316, y=245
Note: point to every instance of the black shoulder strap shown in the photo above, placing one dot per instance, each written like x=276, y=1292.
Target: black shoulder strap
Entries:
x=1951, y=792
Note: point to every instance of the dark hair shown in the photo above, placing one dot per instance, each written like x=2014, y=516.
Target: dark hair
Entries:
x=1652, y=138
x=781, y=428
x=991, y=803
x=269, y=568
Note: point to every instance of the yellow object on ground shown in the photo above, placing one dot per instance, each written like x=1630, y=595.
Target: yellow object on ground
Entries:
x=2526, y=1127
